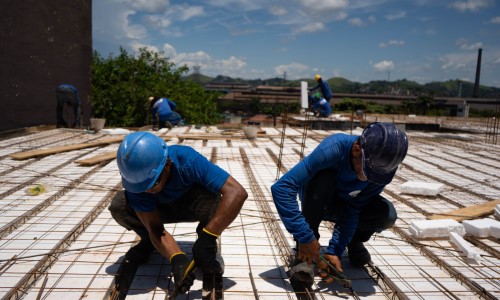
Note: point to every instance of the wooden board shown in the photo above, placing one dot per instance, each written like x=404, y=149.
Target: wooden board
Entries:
x=468, y=213
x=43, y=152
x=97, y=159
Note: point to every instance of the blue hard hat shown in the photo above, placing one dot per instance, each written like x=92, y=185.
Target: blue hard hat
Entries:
x=384, y=146
x=141, y=158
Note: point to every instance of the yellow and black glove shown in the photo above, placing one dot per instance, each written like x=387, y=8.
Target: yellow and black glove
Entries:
x=183, y=277
x=205, y=249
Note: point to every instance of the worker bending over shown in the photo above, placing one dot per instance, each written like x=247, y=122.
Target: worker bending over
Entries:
x=340, y=181
x=173, y=184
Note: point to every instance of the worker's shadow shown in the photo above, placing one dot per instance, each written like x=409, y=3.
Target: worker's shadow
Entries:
x=133, y=279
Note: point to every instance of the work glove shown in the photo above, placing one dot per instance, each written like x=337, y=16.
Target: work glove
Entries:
x=179, y=262
x=205, y=249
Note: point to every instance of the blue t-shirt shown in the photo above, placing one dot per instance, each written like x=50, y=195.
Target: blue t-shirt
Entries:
x=332, y=153
x=188, y=167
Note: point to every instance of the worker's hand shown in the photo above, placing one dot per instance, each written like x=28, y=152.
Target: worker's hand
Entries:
x=309, y=252
x=179, y=265
x=205, y=249
x=324, y=270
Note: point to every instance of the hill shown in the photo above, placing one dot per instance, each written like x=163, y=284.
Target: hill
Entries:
x=450, y=88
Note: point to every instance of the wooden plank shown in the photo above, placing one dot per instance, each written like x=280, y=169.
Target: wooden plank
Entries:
x=468, y=213
x=97, y=159
x=105, y=156
x=59, y=149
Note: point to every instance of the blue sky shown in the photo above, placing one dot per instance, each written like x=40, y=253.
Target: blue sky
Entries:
x=360, y=40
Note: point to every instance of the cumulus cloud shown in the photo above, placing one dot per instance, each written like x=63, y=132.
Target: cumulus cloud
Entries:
x=298, y=70
x=391, y=43
x=185, y=12
x=384, y=66
x=232, y=66
x=471, y=5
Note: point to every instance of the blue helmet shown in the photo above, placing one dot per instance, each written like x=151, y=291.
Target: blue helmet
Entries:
x=141, y=158
x=384, y=146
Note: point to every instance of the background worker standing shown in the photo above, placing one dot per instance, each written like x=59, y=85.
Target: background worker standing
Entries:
x=67, y=94
x=340, y=181
x=323, y=86
x=162, y=112
x=173, y=184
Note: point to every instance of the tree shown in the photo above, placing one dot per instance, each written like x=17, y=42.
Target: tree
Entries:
x=121, y=85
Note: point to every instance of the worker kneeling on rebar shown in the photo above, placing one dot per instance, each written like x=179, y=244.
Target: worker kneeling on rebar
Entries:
x=173, y=184
x=340, y=181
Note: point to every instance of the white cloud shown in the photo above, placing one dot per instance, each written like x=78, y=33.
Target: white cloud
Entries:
x=155, y=6
x=384, y=66
x=395, y=16
x=185, y=12
x=324, y=5
x=311, y=27
x=157, y=21
x=471, y=5
x=456, y=61
x=463, y=44
x=295, y=70
x=391, y=43
x=356, y=22
x=278, y=10
x=495, y=20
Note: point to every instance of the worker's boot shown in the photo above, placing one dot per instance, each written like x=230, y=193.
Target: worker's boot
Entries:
x=140, y=253
x=358, y=255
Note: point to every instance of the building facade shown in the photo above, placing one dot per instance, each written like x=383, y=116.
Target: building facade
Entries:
x=43, y=44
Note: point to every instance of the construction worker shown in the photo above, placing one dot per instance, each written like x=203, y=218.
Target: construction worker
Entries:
x=171, y=184
x=67, y=94
x=162, y=112
x=326, y=92
x=320, y=106
x=340, y=181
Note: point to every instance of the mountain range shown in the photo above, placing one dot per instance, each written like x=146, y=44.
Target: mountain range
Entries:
x=450, y=88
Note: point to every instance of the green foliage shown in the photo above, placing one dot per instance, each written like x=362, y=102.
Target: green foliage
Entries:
x=122, y=84
x=349, y=104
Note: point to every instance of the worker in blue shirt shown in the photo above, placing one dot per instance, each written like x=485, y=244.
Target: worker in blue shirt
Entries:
x=163, y=112
x=323, y=86
x=320, y=106
x=172, y=184
x=340, y=181
x=67, y=94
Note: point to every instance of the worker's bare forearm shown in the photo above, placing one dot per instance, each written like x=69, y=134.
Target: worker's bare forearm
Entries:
x=165, y=244
x=163, y=241
x=233, y=197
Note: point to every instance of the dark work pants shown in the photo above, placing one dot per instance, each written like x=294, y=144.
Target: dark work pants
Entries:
x=320, y=203
x=66, y=97
x=197, y=204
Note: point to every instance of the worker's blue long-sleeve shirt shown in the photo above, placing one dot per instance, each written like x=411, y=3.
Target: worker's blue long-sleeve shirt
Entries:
x=324, y=88
x=333, y=152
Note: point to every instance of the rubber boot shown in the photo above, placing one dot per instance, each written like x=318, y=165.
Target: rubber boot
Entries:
x=358, y=254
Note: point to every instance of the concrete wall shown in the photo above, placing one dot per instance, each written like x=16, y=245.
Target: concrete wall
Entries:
x=43, y=43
